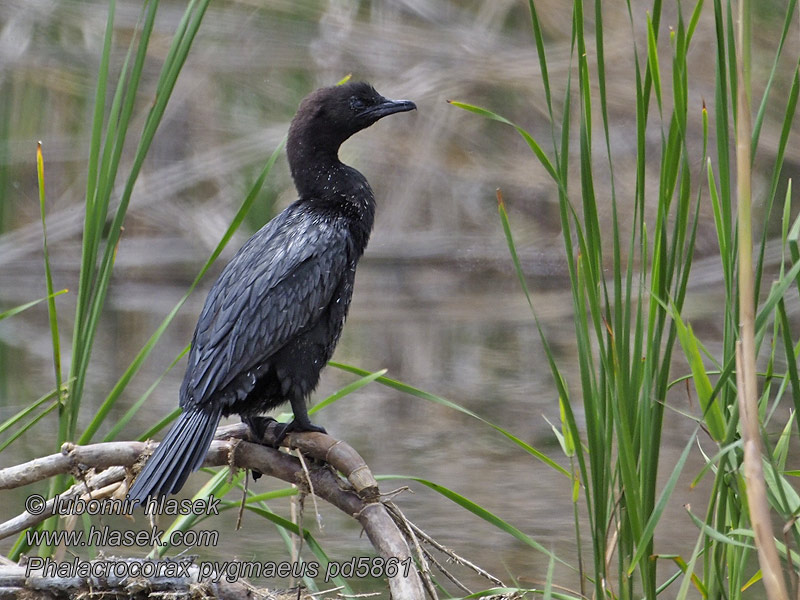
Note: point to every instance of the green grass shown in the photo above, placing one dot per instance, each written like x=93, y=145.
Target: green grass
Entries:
x=102, y=221
x=628, y=295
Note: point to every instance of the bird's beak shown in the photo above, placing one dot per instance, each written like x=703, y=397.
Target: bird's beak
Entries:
x=388, y=107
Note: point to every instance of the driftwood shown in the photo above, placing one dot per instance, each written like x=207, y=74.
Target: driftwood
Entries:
x=101, y=470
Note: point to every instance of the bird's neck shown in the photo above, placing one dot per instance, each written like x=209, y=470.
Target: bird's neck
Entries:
x=337, y=189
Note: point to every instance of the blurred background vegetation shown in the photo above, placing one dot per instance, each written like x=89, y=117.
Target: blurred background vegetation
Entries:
x=437, y=301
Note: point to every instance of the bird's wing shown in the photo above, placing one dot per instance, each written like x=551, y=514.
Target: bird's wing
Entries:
x=276, y=286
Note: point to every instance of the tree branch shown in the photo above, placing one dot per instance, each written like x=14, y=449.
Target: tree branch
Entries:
x=103, y=468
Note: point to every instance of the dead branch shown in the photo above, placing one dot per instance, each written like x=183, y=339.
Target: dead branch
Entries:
x=105, y=467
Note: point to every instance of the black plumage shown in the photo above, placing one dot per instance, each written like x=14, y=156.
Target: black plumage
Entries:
x=273, y=318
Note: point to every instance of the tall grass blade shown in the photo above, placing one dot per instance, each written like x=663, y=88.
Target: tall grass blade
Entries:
x=52, y=313
x=309, y=539
x=652, y=60
x=346, y=390
x=532, y=143
x=23, y=307
x=166, y=420
x=481, y=512
x=167, y=80
x=649, y=529
x=412, y=391
x=136, y=406
x=216, y=487
x=15, y=420
x=712, y=413
x=26, y=426
x=762, y=109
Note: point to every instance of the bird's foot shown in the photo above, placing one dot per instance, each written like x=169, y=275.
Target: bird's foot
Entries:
x=258, y=428
x=295, y=425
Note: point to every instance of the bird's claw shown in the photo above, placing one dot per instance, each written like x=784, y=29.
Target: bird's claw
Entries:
x=295, y=425
x=258, y=426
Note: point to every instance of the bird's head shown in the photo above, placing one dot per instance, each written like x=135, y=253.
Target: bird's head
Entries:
x=330, y=115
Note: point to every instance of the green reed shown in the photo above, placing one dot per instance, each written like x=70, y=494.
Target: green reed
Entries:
x=629, y=283
x=103, y=220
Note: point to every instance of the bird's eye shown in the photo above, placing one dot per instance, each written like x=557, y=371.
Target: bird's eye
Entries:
x=357, y=103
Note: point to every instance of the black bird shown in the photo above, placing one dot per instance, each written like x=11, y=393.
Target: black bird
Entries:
x=273, y=318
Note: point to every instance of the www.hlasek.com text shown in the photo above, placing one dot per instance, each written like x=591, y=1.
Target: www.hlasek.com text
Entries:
x=105, y=537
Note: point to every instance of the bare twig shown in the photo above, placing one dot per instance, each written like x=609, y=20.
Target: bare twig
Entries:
x=414, y=534
x=424, y=569
x=243, y=503
x=98, y=456
x=310, y=487
x=432, y=559
x=456, y=558
x=27, y=520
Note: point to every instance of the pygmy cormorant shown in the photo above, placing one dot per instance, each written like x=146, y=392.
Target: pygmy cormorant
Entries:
x=272, y=319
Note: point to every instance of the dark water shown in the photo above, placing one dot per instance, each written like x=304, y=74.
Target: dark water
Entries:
x=437, y=302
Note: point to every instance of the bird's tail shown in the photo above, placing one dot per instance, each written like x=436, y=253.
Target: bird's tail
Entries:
x=181, y=453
